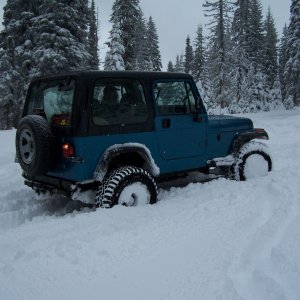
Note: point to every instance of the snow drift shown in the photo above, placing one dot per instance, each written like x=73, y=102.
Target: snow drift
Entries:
x=216, y=240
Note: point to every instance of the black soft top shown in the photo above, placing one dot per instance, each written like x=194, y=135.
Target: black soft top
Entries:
x=144, y=75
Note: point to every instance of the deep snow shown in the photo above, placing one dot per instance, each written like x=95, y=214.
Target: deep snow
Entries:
x=216, y=240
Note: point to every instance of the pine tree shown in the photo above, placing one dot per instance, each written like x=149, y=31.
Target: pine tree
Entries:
x=199, y=55
x=199, y=68
x=93, y=37
x=114, y=57
x=283, y=58
x=276, y=95
x=240, y=24
x=170, y=67
x=15, y=59
x=218, y=11
x=127, y=14
x=253, y=58
x=271, y=56
x=60, y=37
x=153, y=52
x=239, y=62
x=255, y=43
x=240, y=97
x=39, y=37
x=10, y=91
x=179, y=65
x=257, y=92
x=189, y=56
x=292, y=66
x=140, y=60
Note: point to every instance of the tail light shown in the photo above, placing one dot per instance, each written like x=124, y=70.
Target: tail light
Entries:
x=68, y=150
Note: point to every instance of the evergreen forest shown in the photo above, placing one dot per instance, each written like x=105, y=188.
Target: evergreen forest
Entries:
x=241, y=66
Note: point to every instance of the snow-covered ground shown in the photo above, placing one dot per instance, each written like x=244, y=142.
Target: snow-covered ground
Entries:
x=216, y=240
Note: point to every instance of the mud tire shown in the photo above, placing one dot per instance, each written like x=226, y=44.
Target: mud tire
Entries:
x=112, y=190
x=238, y=170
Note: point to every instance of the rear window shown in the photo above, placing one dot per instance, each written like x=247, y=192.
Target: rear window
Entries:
x=53, y=100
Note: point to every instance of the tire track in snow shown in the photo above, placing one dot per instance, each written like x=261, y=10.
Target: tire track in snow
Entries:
x=253, y=273
x=19, y=204
x=23, y=206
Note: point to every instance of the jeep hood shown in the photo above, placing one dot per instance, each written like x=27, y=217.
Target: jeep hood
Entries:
x=229, y=123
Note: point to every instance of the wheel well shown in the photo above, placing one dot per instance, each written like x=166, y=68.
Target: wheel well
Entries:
x=126, y=159
x=120, y=155
x=245, y=137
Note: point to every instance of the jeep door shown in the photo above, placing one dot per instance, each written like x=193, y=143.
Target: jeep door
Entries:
x=180, y=121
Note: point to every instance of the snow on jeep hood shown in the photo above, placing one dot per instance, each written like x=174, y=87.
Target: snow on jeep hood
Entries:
x=229, y=123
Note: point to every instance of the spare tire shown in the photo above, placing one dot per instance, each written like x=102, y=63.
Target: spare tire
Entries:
x=34, y=145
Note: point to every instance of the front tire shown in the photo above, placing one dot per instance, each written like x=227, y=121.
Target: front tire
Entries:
x=128, y=186
x=253, y=160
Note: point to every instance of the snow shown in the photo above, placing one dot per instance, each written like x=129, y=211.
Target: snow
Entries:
x=215, y=240
x=256, y=166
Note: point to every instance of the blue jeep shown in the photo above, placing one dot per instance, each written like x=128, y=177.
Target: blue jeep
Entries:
x=115, y=135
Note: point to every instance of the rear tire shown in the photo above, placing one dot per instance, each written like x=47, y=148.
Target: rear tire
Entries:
x=253, y=160
x=34, y=145
x=128, y=186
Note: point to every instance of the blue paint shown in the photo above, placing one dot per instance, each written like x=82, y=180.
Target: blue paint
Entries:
x=179, y=141
x=185, y=145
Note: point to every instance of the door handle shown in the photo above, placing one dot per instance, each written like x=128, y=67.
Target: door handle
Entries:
x=166, y=123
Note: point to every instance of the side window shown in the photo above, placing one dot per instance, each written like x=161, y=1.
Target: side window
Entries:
x=174, y=97
x=118, y=101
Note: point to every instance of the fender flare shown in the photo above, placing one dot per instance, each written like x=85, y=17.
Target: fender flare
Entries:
x=115, y=150
x=245, y=137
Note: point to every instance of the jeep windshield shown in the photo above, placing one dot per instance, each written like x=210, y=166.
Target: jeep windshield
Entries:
x=52, y=100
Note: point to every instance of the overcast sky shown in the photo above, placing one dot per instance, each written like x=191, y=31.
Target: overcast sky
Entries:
x=175, y=19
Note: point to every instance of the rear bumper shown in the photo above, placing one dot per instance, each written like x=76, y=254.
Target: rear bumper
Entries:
x=43, y=184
